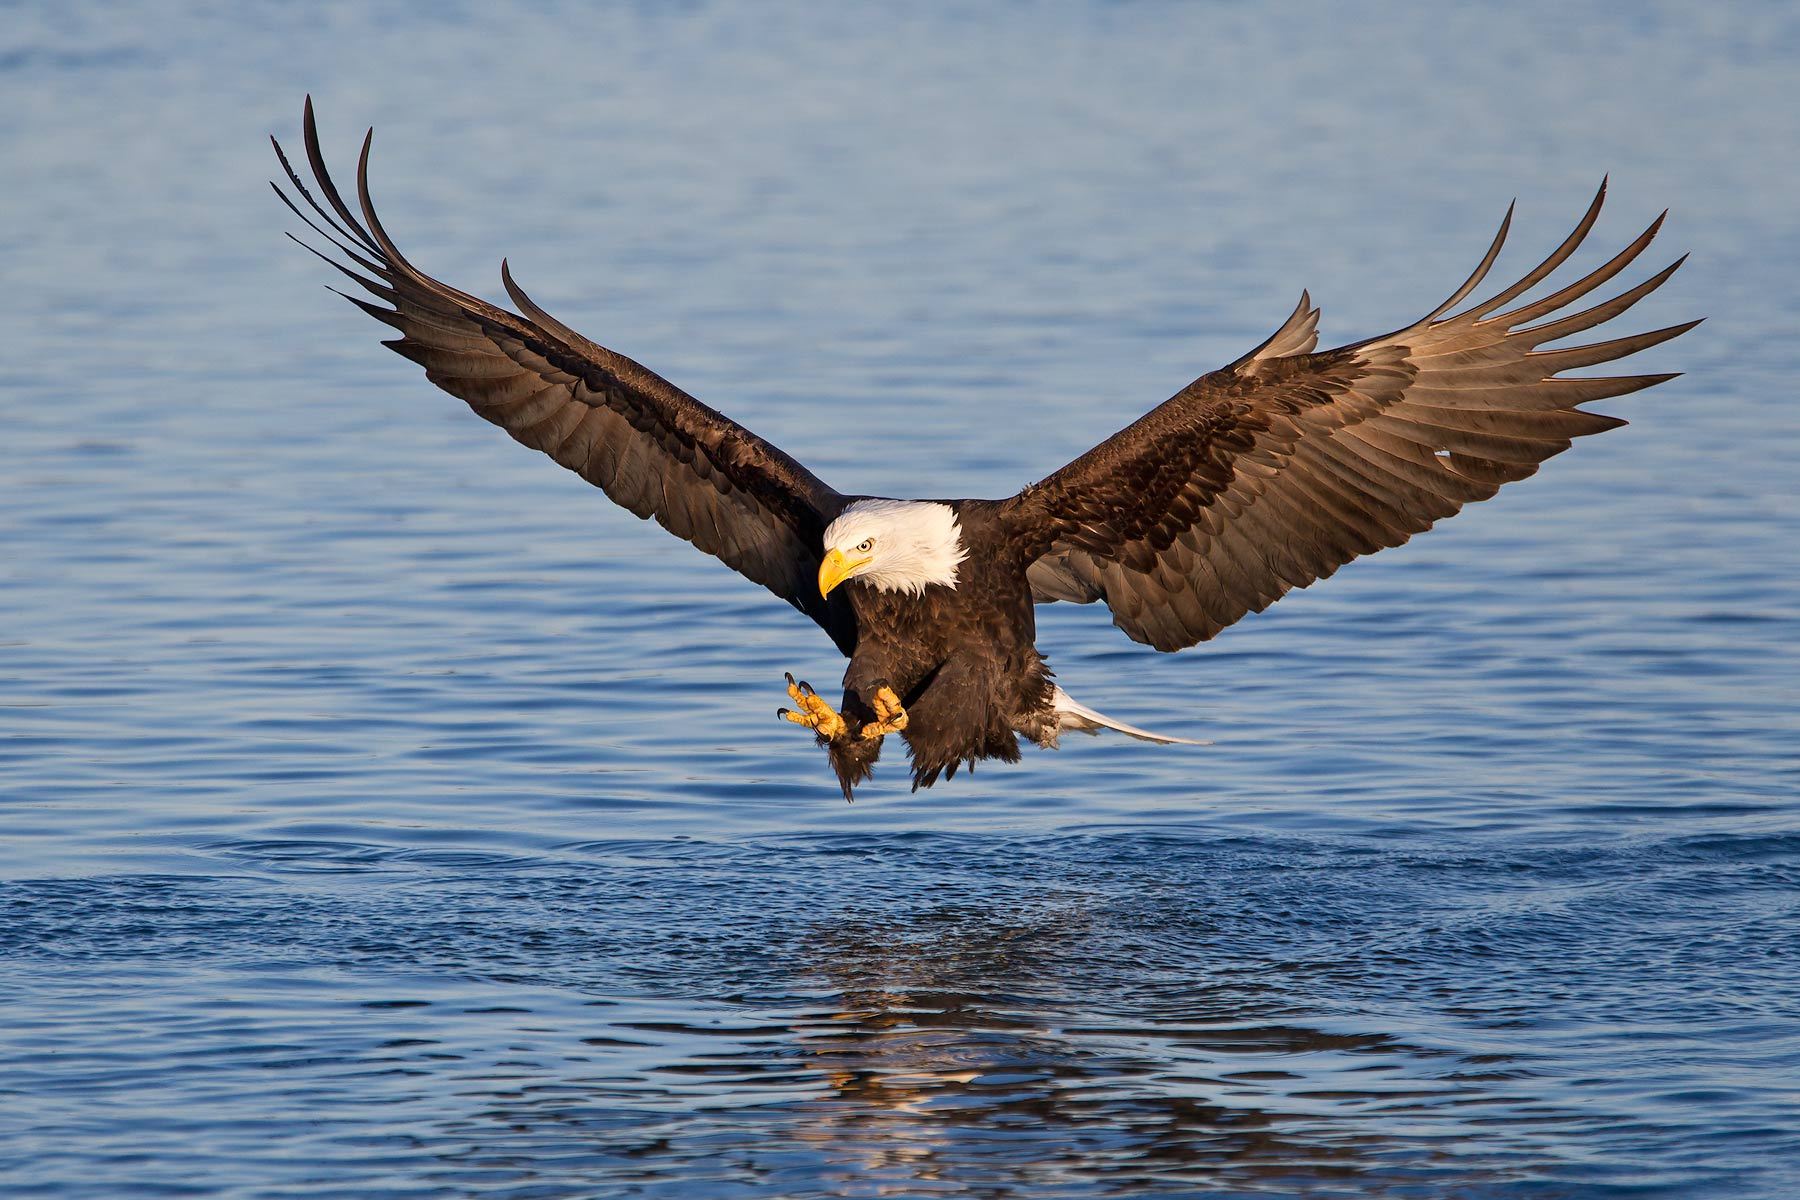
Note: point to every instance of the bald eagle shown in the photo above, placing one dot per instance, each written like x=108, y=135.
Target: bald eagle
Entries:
x=1261, y=476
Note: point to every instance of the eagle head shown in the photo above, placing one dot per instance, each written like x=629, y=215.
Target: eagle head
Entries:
x=897, y=545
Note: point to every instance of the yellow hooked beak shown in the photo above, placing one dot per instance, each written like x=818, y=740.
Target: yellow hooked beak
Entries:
x=836, y=568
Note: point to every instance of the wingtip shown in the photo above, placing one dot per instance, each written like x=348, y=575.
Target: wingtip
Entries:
x=1599, y=200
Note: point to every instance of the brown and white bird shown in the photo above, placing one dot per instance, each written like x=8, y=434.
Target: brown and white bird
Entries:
x=1261, y=476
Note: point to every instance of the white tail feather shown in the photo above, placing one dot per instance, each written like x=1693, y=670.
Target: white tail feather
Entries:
x=1072, y=714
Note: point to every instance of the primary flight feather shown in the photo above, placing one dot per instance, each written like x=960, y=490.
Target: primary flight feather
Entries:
x=1256, y=478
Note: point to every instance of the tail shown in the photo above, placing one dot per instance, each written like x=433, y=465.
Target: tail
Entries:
x=1072, y=714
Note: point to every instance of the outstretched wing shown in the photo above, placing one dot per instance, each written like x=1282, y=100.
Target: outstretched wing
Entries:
x=1283, y=466
x=647, y=444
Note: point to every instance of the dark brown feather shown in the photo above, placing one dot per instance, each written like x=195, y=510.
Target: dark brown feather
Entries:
x=1277, y=470
x=650, y=446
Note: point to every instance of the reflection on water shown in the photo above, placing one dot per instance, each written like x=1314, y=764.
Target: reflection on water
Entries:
x=813, y=1016
x=921, y=1069
x=384, y=814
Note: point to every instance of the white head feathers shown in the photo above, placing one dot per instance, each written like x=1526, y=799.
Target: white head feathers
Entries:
x=898, y=545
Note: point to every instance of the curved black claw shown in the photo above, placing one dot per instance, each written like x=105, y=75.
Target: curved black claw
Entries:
x=813, y=712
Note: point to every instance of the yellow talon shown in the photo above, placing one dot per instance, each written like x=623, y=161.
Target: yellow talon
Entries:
x=814, y=713
x=890, y=714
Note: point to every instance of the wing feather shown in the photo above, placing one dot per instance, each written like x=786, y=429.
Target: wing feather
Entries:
x=1278, y=469
x=648, y=445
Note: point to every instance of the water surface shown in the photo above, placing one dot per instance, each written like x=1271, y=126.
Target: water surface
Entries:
x=385, y=814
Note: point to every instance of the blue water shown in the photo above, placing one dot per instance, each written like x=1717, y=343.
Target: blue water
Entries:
x=385, y=814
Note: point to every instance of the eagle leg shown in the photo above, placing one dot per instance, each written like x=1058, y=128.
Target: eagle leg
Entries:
x=890, y=714
x=814, y=712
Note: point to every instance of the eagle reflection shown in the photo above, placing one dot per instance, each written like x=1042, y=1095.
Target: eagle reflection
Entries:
x=1044, y=1052
x=962, y=1042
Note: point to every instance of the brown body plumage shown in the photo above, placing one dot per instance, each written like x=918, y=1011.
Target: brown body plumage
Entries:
x=1259, y=477
x=962, y=659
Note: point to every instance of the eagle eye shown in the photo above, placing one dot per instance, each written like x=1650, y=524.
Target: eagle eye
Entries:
x=866, y=545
